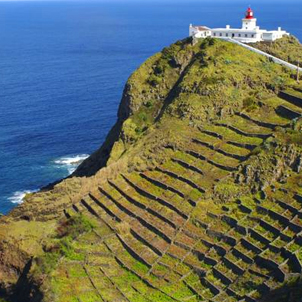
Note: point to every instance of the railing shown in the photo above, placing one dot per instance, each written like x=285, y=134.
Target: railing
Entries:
x=274, y=59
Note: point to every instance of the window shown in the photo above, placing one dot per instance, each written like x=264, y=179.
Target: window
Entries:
x=226, y=35
x=246, y=35
x=220, y=35
x=252, y=36
x=214, y=34
x=239, y=35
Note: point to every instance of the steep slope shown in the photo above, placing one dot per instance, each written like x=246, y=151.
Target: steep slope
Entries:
x=290, y=291
x=196, y=194
x=144, y=94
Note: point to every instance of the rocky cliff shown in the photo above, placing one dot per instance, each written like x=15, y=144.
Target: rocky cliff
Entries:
x=196, y=194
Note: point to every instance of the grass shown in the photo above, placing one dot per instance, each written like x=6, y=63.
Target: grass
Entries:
x=288, y=48
x=171, y=181
x=62, y=244
x=234, y=150
x=294, y=92
x=232, y=136
x=245, y=125
x=209, y=170
x=273, y=256
x=89, y=296
x=215, y=156
x=275, y=102
x=180, y=292
x=267, y=114
x=290, y=137
x=164, y=107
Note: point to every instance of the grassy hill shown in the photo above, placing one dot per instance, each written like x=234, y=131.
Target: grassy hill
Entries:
x=196, y=195
x=288, y=48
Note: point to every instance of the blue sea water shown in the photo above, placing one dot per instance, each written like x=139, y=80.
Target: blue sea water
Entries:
x=63, y=65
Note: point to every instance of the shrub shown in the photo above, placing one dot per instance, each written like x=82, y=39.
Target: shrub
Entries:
x=249, y=104
x=61, y=246
x=67, y=250
x=256, y=151
x=278, y=82
x=158, y=70
x=148, y=104
x=74, y=226
x=48, y=262
x=154, y=80
x=138, y=130
x=143, y=116
x=211, y=41
x=293, y=137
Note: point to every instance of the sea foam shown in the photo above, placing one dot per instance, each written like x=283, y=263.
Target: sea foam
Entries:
x=70, y=162
x=18, y=196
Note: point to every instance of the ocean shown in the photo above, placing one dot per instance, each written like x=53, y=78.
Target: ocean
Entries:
x=63, y=66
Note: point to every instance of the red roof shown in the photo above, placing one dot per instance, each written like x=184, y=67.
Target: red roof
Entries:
x=249, y=14
x=202, y=28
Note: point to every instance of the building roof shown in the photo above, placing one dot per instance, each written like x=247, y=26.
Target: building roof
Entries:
x=202, y=28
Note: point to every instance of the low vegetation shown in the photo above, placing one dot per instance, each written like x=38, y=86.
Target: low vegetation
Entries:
x=61, y=245
x=197, y=198
x=288, y=48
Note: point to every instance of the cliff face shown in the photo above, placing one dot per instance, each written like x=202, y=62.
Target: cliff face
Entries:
x=195, y=195
x=145, y=93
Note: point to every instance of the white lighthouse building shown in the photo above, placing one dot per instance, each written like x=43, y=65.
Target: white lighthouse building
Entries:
x=248, y=33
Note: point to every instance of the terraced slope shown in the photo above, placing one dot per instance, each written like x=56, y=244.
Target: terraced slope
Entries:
x=165, y=241
x=201, y=199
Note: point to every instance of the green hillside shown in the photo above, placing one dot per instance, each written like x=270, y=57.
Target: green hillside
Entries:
x=196, y=195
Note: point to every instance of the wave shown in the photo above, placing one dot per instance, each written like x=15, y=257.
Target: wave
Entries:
x=67, y=162
x=70, y=162
x=18, y=196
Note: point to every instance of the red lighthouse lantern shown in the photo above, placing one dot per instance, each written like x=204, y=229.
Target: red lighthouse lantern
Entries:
x=249, y=14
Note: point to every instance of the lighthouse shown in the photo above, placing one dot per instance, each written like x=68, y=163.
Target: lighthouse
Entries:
x=248, y=33
x=249, y=22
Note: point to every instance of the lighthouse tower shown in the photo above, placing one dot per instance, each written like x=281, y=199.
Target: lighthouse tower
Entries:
x=248, y=33
x=249, y=22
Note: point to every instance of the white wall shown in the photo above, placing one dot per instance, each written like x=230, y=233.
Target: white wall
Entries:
x=242, y=35
x=198, y=34
x=246, y=36
x=249, y=24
